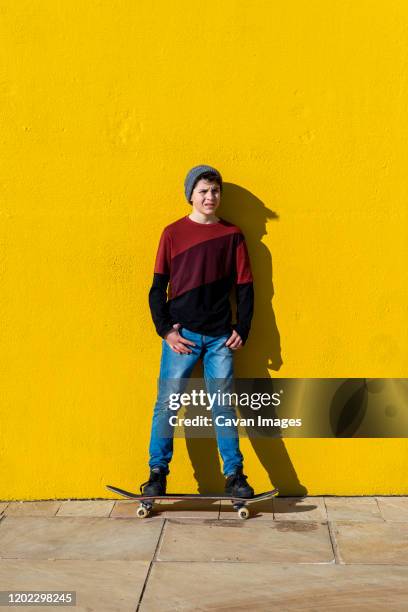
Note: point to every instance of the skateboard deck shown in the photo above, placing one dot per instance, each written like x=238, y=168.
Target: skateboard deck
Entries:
x=239, y=503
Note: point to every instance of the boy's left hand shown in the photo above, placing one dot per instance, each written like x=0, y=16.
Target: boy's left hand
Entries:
x=234, y=342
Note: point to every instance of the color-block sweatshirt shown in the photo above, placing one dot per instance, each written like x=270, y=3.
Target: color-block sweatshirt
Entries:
x=202, y=263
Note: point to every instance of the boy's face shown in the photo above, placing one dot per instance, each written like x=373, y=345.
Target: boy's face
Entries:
x=206, y=197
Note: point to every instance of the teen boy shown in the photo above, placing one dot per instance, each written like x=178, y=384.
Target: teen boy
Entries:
x=202, y=257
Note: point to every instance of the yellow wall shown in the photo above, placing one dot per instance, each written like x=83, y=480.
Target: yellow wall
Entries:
x=105, y=105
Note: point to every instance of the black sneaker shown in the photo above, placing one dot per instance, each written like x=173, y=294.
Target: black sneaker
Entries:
x=156, y=485
x=236, y=485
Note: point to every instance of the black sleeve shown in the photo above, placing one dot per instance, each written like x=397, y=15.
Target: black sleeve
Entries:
x=158, y=304
x=245, y=309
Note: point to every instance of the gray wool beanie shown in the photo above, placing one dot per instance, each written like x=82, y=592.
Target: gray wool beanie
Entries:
x=193, y=176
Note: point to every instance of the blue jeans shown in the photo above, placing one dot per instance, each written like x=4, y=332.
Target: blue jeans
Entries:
x=174, y=367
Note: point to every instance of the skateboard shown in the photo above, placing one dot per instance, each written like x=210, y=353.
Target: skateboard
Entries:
x=239, y=503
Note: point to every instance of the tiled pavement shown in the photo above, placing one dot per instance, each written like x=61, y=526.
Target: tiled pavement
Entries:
x=316, y=553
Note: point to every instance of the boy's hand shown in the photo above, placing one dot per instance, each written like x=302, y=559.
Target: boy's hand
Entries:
x=234, y=341
x=177, y=343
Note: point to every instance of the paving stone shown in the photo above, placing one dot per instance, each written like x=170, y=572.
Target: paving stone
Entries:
x=297, y=509
x=88, y=507
x=33, y=508
x=100, y=586
x=78, y=538
x=252, y=586
x=353, y=509
x=124, y=509
x=378, y=543
x=237, y=540
x=393, y=508
x=3, y=506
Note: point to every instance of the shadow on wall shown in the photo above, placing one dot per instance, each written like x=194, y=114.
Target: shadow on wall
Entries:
x=261, y=354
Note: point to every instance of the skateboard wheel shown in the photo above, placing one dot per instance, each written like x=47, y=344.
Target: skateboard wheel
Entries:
x=243, y=513
x=142, y=512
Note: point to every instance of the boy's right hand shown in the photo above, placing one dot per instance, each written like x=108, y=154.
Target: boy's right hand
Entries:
x=176, y=342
